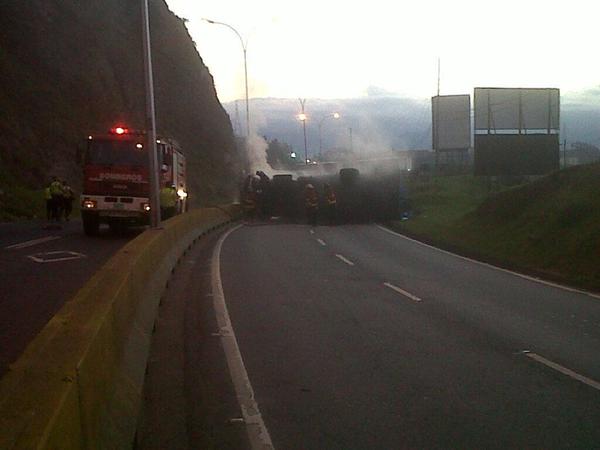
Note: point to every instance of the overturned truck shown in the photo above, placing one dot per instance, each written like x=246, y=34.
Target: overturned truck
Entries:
x=360, y=199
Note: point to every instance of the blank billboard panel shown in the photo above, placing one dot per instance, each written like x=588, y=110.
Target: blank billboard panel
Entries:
x=516, y=154
x=451, y=119
x=516, y=109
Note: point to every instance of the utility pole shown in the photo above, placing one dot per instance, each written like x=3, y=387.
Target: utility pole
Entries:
x=434, y=130
x=351, y=149
x=245, y=52
x=303, y=119
x=150, y=120
x=335, y=115
x=439, y=73
x=565, y=147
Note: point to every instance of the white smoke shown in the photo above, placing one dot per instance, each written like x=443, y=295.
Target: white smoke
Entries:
x=256, y=146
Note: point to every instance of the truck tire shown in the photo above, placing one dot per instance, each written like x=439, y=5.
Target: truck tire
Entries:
x=90, y=225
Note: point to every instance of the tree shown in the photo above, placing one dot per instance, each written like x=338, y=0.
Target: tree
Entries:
x=278, y=155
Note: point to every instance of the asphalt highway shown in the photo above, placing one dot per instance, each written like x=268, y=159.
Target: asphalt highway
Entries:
x=353, y=337
x=42, y=265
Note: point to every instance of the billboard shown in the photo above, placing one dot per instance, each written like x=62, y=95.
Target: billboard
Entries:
x=451, y=122
x=516, y=131
x=517, y=109
x=516, y=154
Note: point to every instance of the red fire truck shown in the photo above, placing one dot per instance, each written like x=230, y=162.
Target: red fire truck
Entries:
x=116, y=184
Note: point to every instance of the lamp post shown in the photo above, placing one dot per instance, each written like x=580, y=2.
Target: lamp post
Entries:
x=302, y=117
x=244, y=48
x=351, y=149
x=335, y=115
x=150, y=119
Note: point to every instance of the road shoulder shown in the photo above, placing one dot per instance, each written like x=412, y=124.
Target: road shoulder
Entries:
x=189, y=400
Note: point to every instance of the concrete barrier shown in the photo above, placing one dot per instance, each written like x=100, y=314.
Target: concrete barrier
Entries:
x=78, y=385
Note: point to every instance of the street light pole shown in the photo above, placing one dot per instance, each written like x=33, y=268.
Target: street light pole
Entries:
x=244, y=48
x=303, y=119
x=335, y=116
x=351, y=149
x=150, y=120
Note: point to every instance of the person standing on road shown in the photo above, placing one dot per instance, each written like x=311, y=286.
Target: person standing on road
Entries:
x=311, y=202
x=331, y=202
x=68, y=198
x=56, y=195
x=48, y=199
x=168, y=201
x=263, y=191
x=249, y=201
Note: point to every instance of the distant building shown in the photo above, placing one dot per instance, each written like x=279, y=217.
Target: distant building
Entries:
x=416, y=160
x=389, y=161
x=581, y=153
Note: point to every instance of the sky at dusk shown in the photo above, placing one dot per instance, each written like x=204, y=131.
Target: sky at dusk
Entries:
x=339, y=49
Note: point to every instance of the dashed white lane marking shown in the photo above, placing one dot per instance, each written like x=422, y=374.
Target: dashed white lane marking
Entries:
x=31, y=243
x=322, y=242
x=347, y=261
x=312, y=231
x=520, y=275
x=563, y=370
x=50, y=257
x=402, y=291
x=257, y=431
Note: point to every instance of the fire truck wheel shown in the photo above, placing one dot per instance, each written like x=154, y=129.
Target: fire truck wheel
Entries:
x=90, y=226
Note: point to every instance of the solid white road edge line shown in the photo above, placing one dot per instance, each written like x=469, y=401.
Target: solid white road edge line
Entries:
x=255, y=426
x=517, y=274
x=347, y=261
x=563, y=370
x=402, y=291
x=322, y=242
x=31, y=243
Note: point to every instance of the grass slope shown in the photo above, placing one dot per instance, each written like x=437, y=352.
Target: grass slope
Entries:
x=550, y=227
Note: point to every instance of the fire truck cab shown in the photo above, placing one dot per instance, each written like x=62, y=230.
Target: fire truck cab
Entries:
x=116, y=185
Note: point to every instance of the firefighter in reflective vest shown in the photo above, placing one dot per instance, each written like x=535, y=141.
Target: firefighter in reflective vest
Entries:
x=331, y=202
x=48, y=199
x=68, y=197
x=249, y=196
x=56, y=197
x=168, y=201
x=311, y=201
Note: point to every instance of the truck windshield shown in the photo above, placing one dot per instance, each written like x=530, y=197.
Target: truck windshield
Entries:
x=116, y=152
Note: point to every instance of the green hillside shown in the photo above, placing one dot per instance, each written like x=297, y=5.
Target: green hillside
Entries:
x=550, y=227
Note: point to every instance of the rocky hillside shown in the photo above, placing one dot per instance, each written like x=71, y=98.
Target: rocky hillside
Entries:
x=69, y=68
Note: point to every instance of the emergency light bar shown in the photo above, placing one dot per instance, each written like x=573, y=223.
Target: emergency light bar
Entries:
x=119, y=130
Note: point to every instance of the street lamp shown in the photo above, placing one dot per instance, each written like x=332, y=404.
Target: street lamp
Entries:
x=150, y=119
x=244, y=48
x=302, y=117
x=351, y=149
x=335, y=115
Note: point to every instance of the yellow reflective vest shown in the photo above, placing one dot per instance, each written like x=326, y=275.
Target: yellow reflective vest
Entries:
x=56, y=188
x=168, y=197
